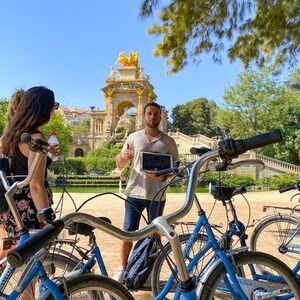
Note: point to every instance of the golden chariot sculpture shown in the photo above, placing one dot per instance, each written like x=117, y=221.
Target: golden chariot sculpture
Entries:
x=131, y=61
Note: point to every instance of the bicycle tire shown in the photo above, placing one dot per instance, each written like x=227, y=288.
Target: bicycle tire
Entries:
x=93, y=287
x=156, y=277
x=271, y=235
x=213, y=287
x=60, y=263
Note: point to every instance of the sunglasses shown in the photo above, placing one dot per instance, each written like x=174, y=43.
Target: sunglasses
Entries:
x=56, y=105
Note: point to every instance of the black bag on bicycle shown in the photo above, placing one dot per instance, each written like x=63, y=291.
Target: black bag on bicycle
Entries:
x=5, y=166
x=140, y=263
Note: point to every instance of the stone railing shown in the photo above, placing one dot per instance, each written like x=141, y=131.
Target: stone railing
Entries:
x=195, y=140
x=185, y=142
x=279, y=165
x=269, y=162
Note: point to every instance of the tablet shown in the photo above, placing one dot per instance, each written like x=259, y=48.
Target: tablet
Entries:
x=153, y=161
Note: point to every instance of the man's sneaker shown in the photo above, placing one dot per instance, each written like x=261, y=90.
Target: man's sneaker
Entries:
x=119, y=275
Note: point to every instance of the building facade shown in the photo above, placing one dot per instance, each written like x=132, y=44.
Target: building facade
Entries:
x=126, y=92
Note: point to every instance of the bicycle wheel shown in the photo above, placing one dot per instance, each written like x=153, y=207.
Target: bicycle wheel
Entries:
x=161, y=270
x=94, y=287
x=56, y=266
x=271, y=235
x=255, y=284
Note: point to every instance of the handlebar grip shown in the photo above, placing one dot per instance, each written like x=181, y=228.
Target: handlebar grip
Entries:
x=230, y=148
x=21, y=253
x=199, y=151
x=164, y=172
x=287, y=188
x=34, y=144
x=264, y=139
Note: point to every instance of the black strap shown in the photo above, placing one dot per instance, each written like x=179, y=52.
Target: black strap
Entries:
x=10, y=166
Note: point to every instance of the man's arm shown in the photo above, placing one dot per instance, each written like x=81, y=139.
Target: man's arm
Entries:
x=120, y=161
x=124, y=157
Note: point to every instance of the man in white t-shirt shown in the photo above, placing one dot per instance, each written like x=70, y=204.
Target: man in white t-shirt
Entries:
x=143, y=187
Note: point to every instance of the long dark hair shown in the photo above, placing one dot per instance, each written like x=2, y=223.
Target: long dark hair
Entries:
x=34, y=109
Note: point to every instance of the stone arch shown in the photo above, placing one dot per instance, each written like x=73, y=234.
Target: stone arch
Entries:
x=79, y=152
x=122, y=106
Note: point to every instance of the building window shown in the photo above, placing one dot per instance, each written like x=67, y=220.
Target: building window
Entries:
x=99, y=126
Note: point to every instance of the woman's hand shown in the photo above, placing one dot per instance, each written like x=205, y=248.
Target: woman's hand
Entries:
x=55, y=150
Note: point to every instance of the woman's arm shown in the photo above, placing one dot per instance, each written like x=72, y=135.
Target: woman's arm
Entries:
x=37, y=185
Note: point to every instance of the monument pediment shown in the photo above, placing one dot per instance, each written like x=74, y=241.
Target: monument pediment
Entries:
x=126, y=86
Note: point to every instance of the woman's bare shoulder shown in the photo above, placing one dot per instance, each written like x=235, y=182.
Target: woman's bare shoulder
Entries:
x=39, y=135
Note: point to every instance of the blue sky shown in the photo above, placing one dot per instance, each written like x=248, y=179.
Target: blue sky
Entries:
x=70, y=45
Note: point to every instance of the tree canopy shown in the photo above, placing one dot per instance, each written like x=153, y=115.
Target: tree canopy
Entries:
x=257, y=103
x=253, y=31
x=57, y=123
x=3, y=110
x=196, y=116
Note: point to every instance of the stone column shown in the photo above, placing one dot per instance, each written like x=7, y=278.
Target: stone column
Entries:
x=139, y=93
x=139, y=118
x=92, y=128
x=108, y=98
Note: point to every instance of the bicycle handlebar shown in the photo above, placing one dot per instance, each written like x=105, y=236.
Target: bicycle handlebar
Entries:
x=237, y=164
x=229, y=149
x=167, y=171
x=290, y=187
x=18, y=256
x=199, y=151
x=35, y=144
x=233, y=148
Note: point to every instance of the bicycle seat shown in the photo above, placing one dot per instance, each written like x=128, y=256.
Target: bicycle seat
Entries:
x=226, y=192
x=82, y=228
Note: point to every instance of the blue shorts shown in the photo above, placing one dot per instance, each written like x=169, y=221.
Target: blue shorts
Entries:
x=134, y=208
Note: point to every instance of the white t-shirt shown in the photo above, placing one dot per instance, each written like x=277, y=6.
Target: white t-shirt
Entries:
x=139, y=184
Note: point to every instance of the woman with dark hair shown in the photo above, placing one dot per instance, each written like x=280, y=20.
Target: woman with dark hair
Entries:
x=31, y=110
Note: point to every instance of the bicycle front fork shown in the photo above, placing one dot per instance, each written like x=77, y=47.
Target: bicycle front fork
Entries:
x=186, y=284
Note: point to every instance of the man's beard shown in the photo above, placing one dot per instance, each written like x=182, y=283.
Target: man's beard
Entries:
x=152, y=125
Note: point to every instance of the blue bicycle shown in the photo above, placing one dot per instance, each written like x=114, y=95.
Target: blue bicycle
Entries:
x=279, y=232
x=227, y=275
x=85, y=286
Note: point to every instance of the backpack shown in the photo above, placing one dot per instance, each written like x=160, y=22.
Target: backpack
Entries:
x=140, y=263
x=5, y=166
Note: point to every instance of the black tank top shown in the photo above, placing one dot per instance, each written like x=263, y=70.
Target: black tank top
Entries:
x=20, y=163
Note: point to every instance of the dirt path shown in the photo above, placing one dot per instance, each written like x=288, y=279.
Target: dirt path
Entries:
x=113, y=208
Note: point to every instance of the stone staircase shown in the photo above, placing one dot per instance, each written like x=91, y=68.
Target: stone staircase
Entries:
x=185, y=142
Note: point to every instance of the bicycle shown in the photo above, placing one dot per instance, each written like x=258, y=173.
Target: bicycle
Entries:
x=92, y=256
x=91, y=285
x=236, y=228
x=233, y=274
x=280, y=232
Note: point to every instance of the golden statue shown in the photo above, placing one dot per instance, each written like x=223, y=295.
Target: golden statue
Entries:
x=132, y=60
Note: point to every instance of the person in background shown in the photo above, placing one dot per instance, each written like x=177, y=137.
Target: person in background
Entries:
x=27, y=112
x=142, y=187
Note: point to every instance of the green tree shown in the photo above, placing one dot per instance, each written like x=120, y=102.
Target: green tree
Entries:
x=102, y=159
x=247, y=104
x=105, y=151
x=262, y=32
x=257, y=103
x=3, y=111
x=196, y=116
x=81, y=129
x=57, y=123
